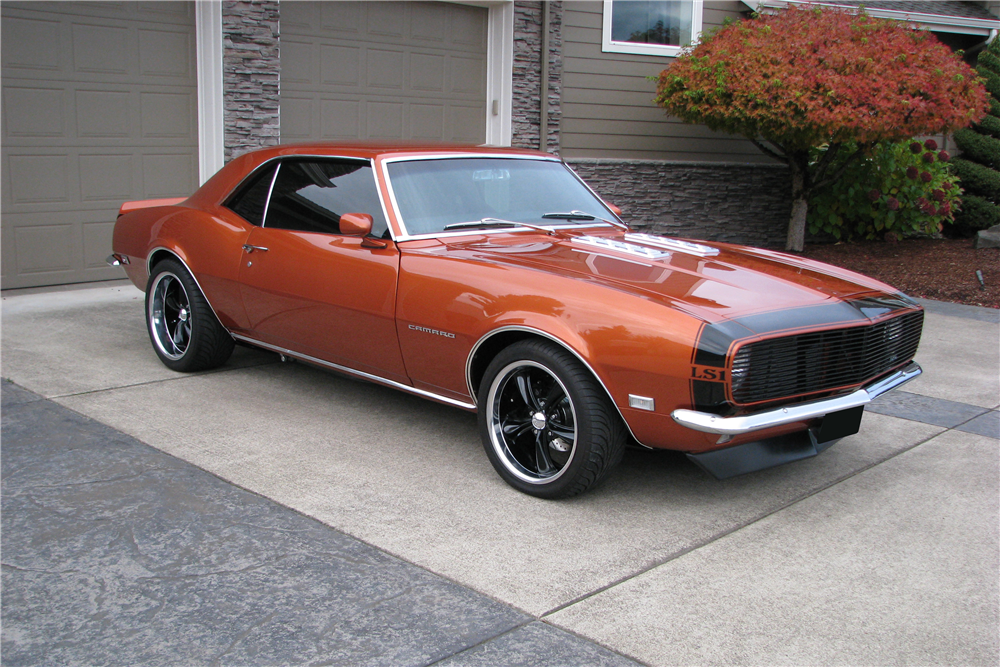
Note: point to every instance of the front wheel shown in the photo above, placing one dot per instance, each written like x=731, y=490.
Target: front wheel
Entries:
x=547, y=426
x=185, y=333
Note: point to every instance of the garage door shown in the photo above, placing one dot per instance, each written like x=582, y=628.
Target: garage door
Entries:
x=383, y=70
x=99, y=107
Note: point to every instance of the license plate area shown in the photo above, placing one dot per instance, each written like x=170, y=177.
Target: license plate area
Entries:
x=840, y=424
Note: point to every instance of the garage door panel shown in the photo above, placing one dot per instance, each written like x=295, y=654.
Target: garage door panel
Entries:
x=296, y=62
x=168, y=174
x=466, y=123
x=166, y=53
x=101, y=49
x=386, y=19
x=430, y=25
x=33, y=112
x=103, y=114
x=427, y=72
x=340, y=65
x=385, y=70
x=426, y=121
x=99, y=107
x=20, y=44
x=345, y=17
x=341, y=119
x=106, y=178
x=167, y=115
x=38, y=179
x=385, y=120
x=45, y=248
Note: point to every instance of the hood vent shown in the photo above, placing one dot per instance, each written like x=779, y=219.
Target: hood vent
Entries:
x=673, y=244
x=621, y=246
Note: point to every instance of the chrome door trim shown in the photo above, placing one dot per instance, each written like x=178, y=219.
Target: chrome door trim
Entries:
x=361, y=374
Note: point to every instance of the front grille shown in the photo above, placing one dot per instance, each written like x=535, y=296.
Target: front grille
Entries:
x=823, y=360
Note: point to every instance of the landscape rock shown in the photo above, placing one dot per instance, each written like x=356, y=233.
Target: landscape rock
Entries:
x=988, y=238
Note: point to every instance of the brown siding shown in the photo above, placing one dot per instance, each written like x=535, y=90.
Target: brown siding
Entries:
x=607, y=100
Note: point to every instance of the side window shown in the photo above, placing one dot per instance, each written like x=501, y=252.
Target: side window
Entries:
x=250, y=199
x=311, y=195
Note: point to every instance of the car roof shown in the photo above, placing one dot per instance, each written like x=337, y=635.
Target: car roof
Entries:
x=375, y=149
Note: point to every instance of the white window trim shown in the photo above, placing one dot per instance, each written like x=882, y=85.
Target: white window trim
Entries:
x=610, y=46
x=500, y=74
x=208, y=39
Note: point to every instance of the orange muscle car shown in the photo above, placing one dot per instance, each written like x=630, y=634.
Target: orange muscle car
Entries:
x=496, y=281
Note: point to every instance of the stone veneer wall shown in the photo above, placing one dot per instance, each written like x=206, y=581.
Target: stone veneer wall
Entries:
x=526, y=107
x=251, y=75
x=737, y=203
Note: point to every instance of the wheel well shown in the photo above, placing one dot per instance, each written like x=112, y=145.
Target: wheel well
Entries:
x=158, y=256
x=489, y=349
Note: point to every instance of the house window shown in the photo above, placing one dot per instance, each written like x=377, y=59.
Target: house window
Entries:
x=651, y=28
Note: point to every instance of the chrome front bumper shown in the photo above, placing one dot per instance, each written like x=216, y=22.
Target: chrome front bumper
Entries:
x=709, y=423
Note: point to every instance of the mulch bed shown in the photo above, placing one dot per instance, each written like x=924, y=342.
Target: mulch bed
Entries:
x=941, y=269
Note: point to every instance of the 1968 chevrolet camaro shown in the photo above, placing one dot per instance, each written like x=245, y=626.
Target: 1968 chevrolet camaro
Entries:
x=496, y=281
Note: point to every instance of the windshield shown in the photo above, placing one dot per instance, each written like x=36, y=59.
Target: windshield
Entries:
x=433, y=194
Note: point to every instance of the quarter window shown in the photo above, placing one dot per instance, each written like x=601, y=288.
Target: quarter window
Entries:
x=250, y=199
x=311, y=195
x=647, y=27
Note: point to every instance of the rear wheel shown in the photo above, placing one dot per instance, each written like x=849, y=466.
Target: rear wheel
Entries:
x=185, y=333
x=547, y=426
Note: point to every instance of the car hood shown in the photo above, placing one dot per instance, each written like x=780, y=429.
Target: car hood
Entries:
x=711, y=281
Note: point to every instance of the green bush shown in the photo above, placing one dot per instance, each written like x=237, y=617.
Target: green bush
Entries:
x=979, y=147
x=977, y=179
x=990, y=125
x=897, y=190
x=977, y=213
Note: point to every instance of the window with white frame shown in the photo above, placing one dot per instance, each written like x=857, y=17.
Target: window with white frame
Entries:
x=651, y=27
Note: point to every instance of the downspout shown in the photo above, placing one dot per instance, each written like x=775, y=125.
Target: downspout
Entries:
x=982, y=45
x=543, y=103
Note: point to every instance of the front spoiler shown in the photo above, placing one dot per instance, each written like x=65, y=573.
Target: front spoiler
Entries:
x=709, y=423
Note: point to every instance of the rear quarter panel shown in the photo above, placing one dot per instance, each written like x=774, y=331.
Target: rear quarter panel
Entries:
x=208, y=242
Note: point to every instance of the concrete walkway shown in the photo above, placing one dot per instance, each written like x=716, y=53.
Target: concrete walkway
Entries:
x=344, y=523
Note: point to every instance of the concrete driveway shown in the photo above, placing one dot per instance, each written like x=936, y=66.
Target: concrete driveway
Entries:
x=882, y=550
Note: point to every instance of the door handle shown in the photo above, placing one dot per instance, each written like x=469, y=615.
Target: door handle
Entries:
x=250, y=248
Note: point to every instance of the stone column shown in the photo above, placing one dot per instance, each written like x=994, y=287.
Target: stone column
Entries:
x=526, y=108
x=251, y=75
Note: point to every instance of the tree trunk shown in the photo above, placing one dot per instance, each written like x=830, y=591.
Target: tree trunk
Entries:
x=798, y=163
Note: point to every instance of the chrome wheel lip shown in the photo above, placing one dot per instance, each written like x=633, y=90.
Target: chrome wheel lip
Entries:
x=164, y=331
x=494, y=421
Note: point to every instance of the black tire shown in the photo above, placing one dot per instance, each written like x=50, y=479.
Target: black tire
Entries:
x=547, y=425
x=182, y=327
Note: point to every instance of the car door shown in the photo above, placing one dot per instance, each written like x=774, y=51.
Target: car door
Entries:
x=307, y=287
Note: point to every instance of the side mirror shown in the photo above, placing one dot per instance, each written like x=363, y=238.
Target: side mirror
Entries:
x=614, y=209
x=355, y=224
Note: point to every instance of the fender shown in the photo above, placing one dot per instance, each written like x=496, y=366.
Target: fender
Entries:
x=557, y=341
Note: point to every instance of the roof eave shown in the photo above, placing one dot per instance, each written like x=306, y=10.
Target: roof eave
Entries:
x=934, y=22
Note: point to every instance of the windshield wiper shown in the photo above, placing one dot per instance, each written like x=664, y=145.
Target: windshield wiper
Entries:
x=580, y=215
x=495, y=222
x=572, y=215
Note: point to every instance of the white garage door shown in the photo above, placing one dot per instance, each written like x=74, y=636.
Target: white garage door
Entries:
x=383, y=70
x=99, y=107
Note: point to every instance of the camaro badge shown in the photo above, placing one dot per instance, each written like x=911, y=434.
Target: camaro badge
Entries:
x=432, y=331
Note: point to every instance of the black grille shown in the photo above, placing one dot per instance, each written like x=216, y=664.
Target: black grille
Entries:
x=823, y=360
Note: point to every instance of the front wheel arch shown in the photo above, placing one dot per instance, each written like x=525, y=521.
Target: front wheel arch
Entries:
x=547, y=425
x=493, y=343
